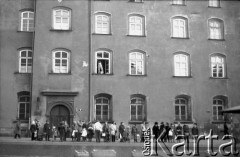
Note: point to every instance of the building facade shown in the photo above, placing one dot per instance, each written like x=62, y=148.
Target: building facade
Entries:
x=123, y=61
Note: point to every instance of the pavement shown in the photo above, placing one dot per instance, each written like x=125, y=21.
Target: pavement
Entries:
x=119, y=147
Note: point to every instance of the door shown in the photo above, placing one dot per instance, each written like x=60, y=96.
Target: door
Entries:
x=59, y=113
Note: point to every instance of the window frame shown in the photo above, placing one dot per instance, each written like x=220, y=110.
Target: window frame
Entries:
x=219, y=57
x=28, y=19
x=143, y=104
x=142, y=31
x=28, y=69
x=26, y=114
x=109, y=59
x=102, y=14
x=187, y=72
x=61, y=51
x=136, y=1
x=179, y=109
x=213, y=31
x=136, y=61
x=61, y=26
x=176, y=32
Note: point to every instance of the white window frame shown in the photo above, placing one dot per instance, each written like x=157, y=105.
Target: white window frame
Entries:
x=26, y=106
x=178, y=2
x=61, y=68
x=217, y=106
x=135, y=21
x=27, y=68
x=139, y=102
x=103, y=70
x=61, y=25
x=179, y=108
x=181, y=65
x=218, y=64
x=102, y=104
x=214, y=3
x=179, y=27
x=138, y=61
x=27, y=23
x=215, y=29
x=100, y=24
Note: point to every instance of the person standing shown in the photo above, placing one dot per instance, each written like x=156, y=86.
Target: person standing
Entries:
x=143, y=129
x=37, y=129
x=33, y=131
x=113, y=130
x=47, y=130
x=178, y=131
x=17, y=129
x=225, y=127
x=90, y=132
x=98, y=130
x=195, y=131
x=156, y=132
x=186, y=134
x=167, y=128
x=121, y=130
x=61, y=130
x=134, y=132
x=66, y=126
x=105, y=132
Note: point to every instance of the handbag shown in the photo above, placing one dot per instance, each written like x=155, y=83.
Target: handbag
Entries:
x=103, y=134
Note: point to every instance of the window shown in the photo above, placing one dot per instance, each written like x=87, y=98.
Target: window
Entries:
x=102, y=23
x=24, y=105
x=181, y=65
x=136, y=25
x=218, y=66
x=27, y=21
x=61, y=19
x=216, y=29
x=214, y=3
x=103, y=107
x=103, y=62
x=136, y=63
x=219, y=103
x=182, y=107
x=61, y=60
x=137, y=107
x=178, y=2
x=25, y=61
x=179, y=27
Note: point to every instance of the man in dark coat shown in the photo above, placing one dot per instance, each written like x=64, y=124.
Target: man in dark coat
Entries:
x=186, y=134
x=156, y=132
x=178, y=131
x=47, y=130
x=225, y=127
x=121, y=132
x=61, y=130
x=195, y=131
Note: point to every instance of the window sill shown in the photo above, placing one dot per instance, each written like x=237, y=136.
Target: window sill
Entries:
x=21, y=73
x=145, y=75
x=60, y=30
x=52, y=73
x=216, y=39
x=102, y=34
x=182, y=76
x=134, y=2
x=135, y=121
x=103, y=74
x=136, y=35
x=179, y=5
x=218, y=78
x=184, y=121
x=19, y=31
x=214, y=7
x=180, y=38
x=217, y=121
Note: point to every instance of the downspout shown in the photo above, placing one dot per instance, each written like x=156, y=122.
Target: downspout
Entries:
x=89, y=57
x=31, y=75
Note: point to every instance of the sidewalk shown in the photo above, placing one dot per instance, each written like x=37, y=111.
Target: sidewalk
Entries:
x=202, y=143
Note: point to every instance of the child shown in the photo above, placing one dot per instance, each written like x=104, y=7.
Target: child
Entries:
x=54, y=132
x=84, y=134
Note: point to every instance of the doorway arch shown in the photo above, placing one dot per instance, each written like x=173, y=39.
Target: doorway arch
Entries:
x=58, y=114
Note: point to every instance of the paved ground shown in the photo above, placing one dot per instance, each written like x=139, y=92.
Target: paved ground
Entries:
x=25, y=147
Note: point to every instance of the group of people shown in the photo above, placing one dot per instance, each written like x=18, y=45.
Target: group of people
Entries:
x=110, y=132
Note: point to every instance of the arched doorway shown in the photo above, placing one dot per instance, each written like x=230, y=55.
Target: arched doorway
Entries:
x=59, y=113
